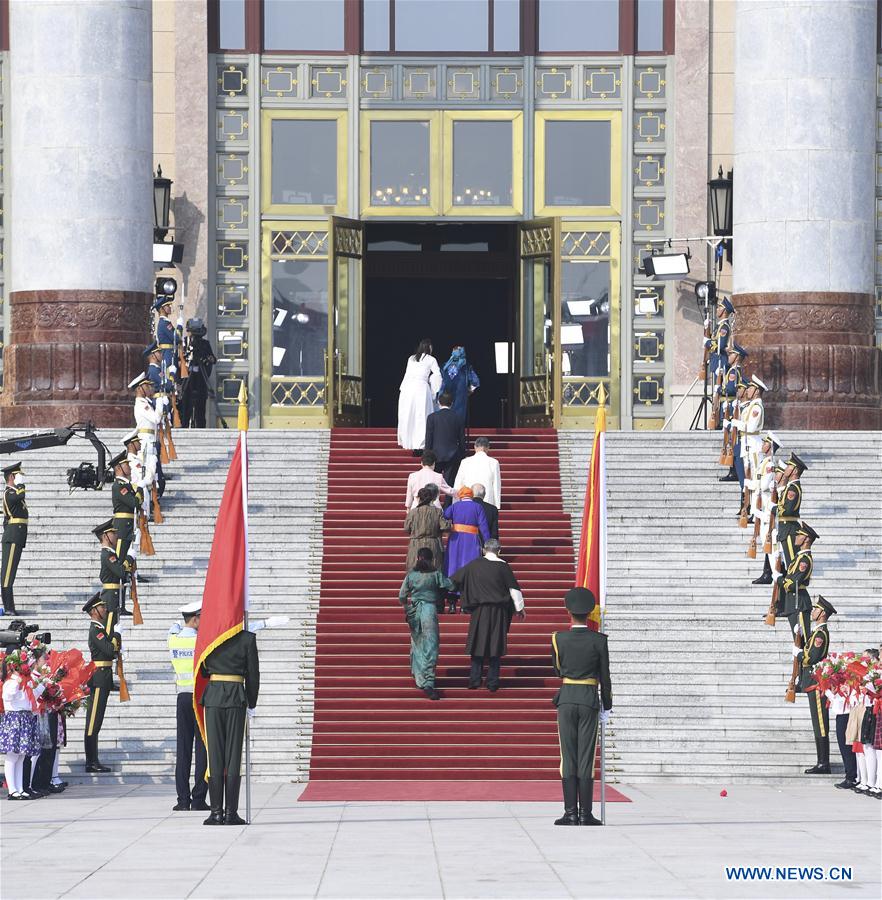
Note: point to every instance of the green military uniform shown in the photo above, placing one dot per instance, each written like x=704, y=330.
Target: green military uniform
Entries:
x=787, y=514
x=15, y=535
x=817, y=647
x=126, y=503
x=114, y=575
x=793, y=596
x=103, y=646
x=581, y=658
x=233, y=671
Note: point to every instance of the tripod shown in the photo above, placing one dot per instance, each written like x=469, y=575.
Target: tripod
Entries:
x=699, y=420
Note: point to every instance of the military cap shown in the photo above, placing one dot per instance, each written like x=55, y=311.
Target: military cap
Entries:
x=191, y=609
x=726, y=303
x=138, y=380
x=807, y=530
x=11, y=470
x=150, y=348
x=163, y=300
x=826, y=605
x=579, y=601
x=797, y=462
x=737, y=348
x=92, y=602
x=756, y=381
x=118, y=459
x=103, y=528
x=130, y=438
x=772, y=438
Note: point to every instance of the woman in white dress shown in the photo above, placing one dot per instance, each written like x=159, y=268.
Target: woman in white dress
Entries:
x=416, y=398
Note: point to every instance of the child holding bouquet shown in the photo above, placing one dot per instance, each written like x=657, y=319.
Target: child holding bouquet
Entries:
x=19, y=728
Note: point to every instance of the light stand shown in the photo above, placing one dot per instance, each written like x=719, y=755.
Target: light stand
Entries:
x=708, y=308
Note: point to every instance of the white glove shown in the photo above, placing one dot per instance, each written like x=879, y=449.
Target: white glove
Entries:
x=716, y=390
x=276, y=621
x=707, y=342
x=172, y=370
x=706, y=323
x=604, y=716
x=727, y=423
x=256, y=625
x=175, y=628
x=797, y=628
x=251, y=712
x=796, y=651
x=133, y=550
x=180, y=322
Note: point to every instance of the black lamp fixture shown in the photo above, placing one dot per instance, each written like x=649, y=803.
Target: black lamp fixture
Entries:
x=720, y=193
x=161, y=203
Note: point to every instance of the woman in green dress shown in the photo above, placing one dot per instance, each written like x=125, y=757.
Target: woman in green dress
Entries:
x=422, y=591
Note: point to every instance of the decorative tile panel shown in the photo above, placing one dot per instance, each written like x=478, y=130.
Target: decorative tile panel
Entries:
x=299, y=243
x=649, y=346
x=649, y=215
x=584, y=243
x=649, y=82
x=602, y=83
x=649, y=391
x=232, y=300
x=506, y=83
x=280, y=81
x=232, y=345
x=297, y=392
x=463, y=82
x=328, y=82
x=419, y=83
x=232, y=125
x=649, y=303
x=554, y=82
x=232, y=212
x=649, y=171
x=649, y=126
x=232, y=80
x=377, y=82
x=232, y=170
x=232, y=256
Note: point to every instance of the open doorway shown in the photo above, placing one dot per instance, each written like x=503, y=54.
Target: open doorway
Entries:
x=454, y=283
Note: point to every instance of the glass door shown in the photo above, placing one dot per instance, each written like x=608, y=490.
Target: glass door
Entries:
x=539, y=375
x=345, y=382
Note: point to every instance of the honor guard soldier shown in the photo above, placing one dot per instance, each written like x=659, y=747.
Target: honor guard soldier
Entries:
x=719, y=343
x=750, y=424
x=816, y=648
x=762, y=505
x=161, y=381
x=167, y=336
x=581, y=658
x=733, y=386
x=789, y=505
x=793, y=596
x=233, y=674
x=115, y=572
x=148, y=416
x=104, y=646
x=126, y=503
x=15, y=531
x=181, y=646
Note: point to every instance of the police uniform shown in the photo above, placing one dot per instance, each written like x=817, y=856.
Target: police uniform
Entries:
x=103, y=646
x=126, y=503
x=817, y=647
x=789, y=505
x=181, y=645
x=233, y=674
x=15, y=535
x=793, y=596
x=114, y=574
x=581, y=658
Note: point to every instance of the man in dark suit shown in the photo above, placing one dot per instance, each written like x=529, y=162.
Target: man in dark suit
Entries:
x=445, y=436
x=491, y=513
x=581, y=659
x=233, y=671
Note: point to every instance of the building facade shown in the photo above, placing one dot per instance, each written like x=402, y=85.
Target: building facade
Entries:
x=353, y=175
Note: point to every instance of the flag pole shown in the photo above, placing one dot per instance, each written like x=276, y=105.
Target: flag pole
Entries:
x=602, y=592
x=243, y=456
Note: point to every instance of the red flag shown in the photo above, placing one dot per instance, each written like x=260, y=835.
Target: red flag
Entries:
x=226, y=581
x=591, y=568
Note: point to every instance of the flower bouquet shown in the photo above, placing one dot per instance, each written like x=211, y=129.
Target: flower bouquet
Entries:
x=65, y=676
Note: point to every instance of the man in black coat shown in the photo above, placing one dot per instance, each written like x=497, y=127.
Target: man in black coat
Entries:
x=491, y=513
x=445, y=436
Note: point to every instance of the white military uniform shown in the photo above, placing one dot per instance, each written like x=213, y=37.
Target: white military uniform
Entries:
x=147, y=418
x=751, y=425
x=137, y=478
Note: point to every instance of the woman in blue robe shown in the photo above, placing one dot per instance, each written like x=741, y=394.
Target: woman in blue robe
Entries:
x=459, y=379
x=467, y=534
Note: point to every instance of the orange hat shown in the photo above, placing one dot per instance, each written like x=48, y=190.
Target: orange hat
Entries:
x=464, y=492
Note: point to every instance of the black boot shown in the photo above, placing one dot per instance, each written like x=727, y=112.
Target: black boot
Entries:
x=586, y=799
x=571, y=802
x=216, y=798
x=232, y=816
x=766, y=577
x=731, y=475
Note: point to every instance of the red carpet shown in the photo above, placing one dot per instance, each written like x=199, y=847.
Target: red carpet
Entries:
x=439, y=791
x=371, y=724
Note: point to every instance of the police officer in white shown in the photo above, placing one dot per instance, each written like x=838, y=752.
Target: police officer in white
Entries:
x=181, y=645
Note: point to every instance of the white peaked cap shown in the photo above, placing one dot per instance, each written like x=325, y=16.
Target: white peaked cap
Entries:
x=758, y=382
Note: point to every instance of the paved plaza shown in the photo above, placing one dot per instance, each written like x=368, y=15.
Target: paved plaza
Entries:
x=123, y=841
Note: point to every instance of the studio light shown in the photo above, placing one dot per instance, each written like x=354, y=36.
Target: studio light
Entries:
x=580, y=307
x=167, y=254
x=647, y=303
x=165, y=287
x=705, y=295
x=667, y=265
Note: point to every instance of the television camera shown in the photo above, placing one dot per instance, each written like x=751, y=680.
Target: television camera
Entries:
x=86, y=476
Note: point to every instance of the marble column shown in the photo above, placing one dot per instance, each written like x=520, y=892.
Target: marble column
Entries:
x=81, y=209
x=805, y=87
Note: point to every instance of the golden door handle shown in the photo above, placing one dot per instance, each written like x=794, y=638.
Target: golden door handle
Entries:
x=338, y=356
x=548, y=362
x=327, y=375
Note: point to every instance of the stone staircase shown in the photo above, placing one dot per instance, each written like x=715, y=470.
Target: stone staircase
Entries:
x=59, y=571
x=698, y=679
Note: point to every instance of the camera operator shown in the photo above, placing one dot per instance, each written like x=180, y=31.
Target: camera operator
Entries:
x=15, y=532
x=200, y=360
